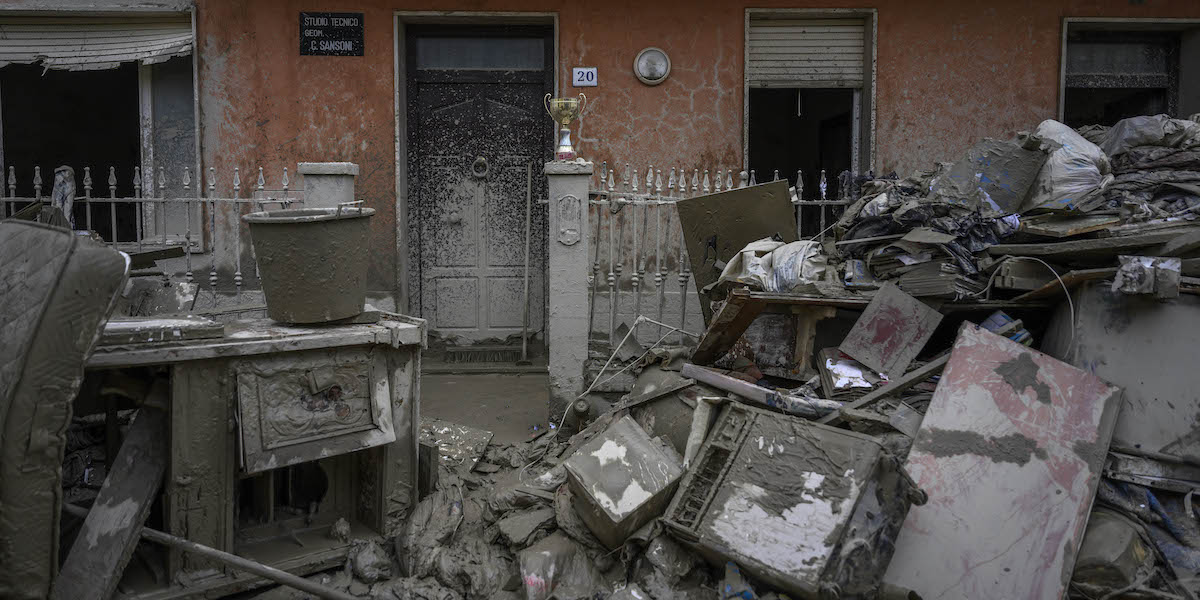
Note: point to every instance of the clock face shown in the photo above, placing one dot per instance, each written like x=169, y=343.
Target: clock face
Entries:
x=652, y=66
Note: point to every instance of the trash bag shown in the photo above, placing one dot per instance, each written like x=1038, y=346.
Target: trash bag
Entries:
x=1156, y=130
x=369, y=561
x=774, y=266
x=429, y=529
x=795, y=264
x=557, y=567
x=1075, y=170
x=994, y=176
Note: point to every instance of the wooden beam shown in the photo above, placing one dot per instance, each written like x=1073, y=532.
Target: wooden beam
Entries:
x=1110, y=245
x=102, y=549
x=1071, y=279
x=1181, y=245
x=727, y=326
x=761, y=396
x=237, y=562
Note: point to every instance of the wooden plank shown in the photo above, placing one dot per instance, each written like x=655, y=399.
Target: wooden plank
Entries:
x=1057, y=226
x=1010, y=452
x=1110, y=245
x=261, y=336
x=237, y=562
x=738, y=312
x=764, y=398
x=1071, y=279
x=133, y=330
x=112, y=527
x=1182, y=244
x=145, y=260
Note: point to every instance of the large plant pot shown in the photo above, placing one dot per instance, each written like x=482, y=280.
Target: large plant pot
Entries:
x=312, y=262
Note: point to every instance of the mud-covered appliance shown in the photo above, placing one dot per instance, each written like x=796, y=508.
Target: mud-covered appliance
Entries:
x=803, y=507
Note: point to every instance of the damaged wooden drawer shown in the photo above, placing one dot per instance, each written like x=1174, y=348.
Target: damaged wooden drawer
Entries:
x=309, y=405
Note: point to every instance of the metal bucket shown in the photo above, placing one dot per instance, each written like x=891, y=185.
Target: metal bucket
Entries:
x=312, y=261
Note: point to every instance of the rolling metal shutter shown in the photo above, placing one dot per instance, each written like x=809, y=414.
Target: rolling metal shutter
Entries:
x=86, y=43
x=805, y=52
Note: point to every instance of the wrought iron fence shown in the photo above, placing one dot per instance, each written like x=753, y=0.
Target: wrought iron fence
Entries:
x=205, y=223
x=637, y=242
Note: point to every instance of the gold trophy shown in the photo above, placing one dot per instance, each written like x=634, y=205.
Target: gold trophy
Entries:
x=563, y=111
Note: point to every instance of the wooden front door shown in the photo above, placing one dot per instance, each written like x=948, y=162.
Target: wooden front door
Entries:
x=476, y=128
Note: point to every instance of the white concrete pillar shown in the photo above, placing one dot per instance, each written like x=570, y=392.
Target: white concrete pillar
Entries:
x=569, y=266
x=327, y=184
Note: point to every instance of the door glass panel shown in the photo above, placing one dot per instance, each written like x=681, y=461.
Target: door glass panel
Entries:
x=506, y=54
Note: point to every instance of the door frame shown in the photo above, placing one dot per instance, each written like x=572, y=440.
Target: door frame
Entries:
x=401, y=19
x=863, y=144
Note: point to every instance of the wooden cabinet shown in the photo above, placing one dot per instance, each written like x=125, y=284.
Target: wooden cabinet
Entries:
x=276, y=434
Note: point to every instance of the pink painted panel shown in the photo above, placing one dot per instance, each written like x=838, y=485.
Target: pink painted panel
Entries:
x=1010, y=453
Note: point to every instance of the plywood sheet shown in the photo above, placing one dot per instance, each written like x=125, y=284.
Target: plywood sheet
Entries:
x=891, y=331
x=1010, y=453
x=723, y=223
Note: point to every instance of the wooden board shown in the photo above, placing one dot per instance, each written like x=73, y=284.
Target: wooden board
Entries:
x=113, y=526
x=891, y=331
x=717, y=226
x=144, y=330
x=1182, y=244
x=1010, y=453
x=1059, y=226
x=742, y=306
x=1070, y=279
x=1097, y=247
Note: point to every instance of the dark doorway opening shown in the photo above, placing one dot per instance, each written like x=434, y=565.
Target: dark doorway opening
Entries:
x=76, y=118
x=807, y=130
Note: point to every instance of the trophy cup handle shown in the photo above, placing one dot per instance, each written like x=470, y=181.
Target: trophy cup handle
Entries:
x=546, y=103
x=582, y=101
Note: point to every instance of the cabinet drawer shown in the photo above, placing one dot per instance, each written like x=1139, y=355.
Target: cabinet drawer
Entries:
x=308, y=405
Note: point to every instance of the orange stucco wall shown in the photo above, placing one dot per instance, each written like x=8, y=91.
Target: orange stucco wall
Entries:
x=948, y=74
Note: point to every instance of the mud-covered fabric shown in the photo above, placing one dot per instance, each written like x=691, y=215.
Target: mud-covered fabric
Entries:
x=56, y=291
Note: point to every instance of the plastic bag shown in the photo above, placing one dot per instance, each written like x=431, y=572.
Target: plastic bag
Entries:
x=1075, y=170
x=795, y=264
x=774, y=266
x=369, y=561
x=1156, y=130
x=558, y=567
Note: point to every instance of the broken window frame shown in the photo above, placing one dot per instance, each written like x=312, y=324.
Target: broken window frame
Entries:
x=1108, y=29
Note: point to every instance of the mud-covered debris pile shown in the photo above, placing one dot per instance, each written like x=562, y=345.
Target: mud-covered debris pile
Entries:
x=995, y=329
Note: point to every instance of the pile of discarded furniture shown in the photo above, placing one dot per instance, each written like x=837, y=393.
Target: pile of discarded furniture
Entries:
x=980, y=387
x=149, y=450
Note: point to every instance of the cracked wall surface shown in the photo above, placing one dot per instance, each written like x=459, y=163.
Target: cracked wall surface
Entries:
x=948, y=74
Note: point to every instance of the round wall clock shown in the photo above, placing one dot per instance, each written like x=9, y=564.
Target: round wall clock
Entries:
x=652, y=66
